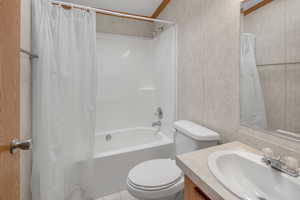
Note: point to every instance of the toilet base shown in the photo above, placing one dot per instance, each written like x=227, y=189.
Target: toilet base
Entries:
x=178, y=196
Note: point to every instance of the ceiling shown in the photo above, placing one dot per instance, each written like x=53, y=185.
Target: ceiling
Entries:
x=136, y=7
x=249, y=6
x=250, y=3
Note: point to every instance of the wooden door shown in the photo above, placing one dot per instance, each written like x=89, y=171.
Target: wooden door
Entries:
x=9, y=98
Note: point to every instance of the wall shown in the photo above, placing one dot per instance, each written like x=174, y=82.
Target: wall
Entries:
x=136, y=75
x=124, y=26
x=164, y=58
x=25, y=78
x=124, y=48
x=121, y=90
x=208, y=62
x=277, y=31
x=126, y=90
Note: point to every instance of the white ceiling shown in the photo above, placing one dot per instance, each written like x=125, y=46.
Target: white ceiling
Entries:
x=138, y=7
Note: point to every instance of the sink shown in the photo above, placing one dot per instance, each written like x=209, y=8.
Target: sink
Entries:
x=245, y=175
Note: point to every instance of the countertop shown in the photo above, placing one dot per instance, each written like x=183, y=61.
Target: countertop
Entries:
x=194, y=165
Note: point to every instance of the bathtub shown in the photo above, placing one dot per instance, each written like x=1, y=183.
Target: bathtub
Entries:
x=116, y=152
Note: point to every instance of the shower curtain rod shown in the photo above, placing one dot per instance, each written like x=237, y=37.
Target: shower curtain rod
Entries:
x=108, y=12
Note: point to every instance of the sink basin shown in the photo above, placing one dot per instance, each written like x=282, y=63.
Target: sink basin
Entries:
x=246, y=176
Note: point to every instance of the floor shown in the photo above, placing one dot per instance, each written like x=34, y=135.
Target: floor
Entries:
x=123, y=195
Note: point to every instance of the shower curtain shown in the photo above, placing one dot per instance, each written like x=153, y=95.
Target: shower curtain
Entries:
x=64, y=97
x=251, y=96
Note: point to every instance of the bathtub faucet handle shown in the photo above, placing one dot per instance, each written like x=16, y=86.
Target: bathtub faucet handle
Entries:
x=159, y=113
x=157, y=124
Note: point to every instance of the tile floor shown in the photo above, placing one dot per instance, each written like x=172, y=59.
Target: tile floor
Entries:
x=123, y=195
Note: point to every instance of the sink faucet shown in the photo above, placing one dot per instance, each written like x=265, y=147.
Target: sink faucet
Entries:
x=278, y=164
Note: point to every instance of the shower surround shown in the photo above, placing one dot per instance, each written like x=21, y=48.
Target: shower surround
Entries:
x=136, y=75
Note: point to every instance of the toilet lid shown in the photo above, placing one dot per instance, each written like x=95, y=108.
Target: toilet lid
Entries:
x=155, y=174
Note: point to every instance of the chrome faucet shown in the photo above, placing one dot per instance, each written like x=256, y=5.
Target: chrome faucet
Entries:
x=159, y=113
x=278, y=164
x=156, y=124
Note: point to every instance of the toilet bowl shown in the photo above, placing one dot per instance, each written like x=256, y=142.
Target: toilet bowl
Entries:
x=162, y=179
x=155, y=179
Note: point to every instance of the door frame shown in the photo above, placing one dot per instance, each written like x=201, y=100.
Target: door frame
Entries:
x=9, y=98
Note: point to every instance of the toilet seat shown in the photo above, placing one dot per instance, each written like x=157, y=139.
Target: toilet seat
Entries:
x=155, y=179
x=154, y=174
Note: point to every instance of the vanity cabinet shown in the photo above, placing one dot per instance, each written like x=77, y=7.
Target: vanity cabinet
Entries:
x=193, y=192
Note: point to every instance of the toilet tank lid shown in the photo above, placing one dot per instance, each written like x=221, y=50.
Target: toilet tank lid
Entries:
x=196, y=131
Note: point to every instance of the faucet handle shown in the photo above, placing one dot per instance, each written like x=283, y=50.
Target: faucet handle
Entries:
x=159, y=113
x=291, y=162
x=268, y=153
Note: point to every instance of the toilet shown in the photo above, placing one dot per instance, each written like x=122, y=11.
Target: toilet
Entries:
x=162, y=179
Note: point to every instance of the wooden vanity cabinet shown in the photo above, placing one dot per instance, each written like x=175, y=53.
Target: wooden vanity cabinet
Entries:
x=192, y=192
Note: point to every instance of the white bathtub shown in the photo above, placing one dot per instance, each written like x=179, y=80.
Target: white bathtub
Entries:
x=116, y=152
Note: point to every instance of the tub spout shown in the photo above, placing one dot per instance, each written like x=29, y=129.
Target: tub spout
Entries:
x=157, y=124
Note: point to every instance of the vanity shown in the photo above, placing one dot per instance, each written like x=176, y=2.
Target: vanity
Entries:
x=234, y=171
x=192, y=191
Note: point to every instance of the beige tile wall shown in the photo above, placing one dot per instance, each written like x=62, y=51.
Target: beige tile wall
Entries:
x=208, y=74
x=208, y=61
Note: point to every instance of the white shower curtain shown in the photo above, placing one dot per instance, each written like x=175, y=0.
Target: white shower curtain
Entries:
x=64, y=97
x=251, y=97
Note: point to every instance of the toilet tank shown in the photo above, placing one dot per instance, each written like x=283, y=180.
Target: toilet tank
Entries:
x=191, y=137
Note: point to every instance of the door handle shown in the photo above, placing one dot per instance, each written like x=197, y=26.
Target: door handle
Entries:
x=16, y=145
